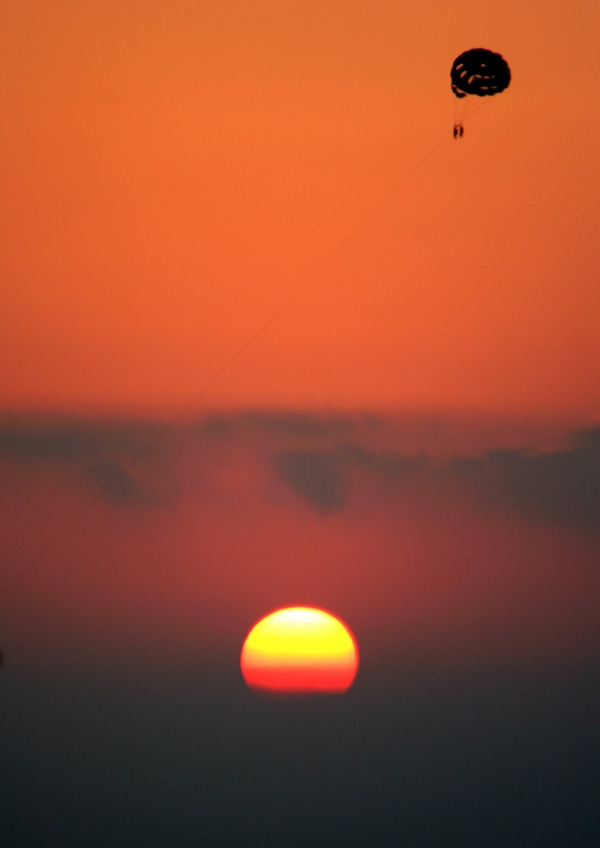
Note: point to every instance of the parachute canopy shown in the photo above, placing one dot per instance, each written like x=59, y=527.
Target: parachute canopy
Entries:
x=479, y=72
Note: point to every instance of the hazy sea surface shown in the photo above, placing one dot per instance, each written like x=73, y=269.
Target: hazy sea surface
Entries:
x=410, y=757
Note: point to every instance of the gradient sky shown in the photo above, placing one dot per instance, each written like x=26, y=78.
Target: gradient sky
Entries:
x=172, y=171
x=414, y=444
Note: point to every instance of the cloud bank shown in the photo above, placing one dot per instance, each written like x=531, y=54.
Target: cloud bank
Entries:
x=324, y=460
x=431, y=537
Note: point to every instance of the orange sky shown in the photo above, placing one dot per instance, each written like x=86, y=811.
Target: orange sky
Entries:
x=171, y=171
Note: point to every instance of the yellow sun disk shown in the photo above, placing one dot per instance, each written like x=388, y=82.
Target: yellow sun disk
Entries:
x=310, y=641
x=300, y=632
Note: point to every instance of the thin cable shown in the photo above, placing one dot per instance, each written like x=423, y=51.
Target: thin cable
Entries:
x=480, y=106
x=218, y=374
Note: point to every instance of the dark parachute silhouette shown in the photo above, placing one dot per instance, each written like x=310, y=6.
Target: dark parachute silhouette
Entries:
x=480, y=72
x=477, y=72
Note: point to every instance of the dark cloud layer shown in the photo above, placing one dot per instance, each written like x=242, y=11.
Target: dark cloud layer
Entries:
x=561, y=486
x=123, y=460
x=68, y=441
x=117, y=484
x=320, y=458
x=314, y=475
x=281, y=422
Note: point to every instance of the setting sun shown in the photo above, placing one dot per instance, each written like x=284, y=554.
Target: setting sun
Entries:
x=299, y=650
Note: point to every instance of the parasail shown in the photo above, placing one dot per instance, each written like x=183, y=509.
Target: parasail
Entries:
x=480, y=72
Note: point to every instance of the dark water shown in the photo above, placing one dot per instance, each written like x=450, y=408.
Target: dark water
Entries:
x=191, y=758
